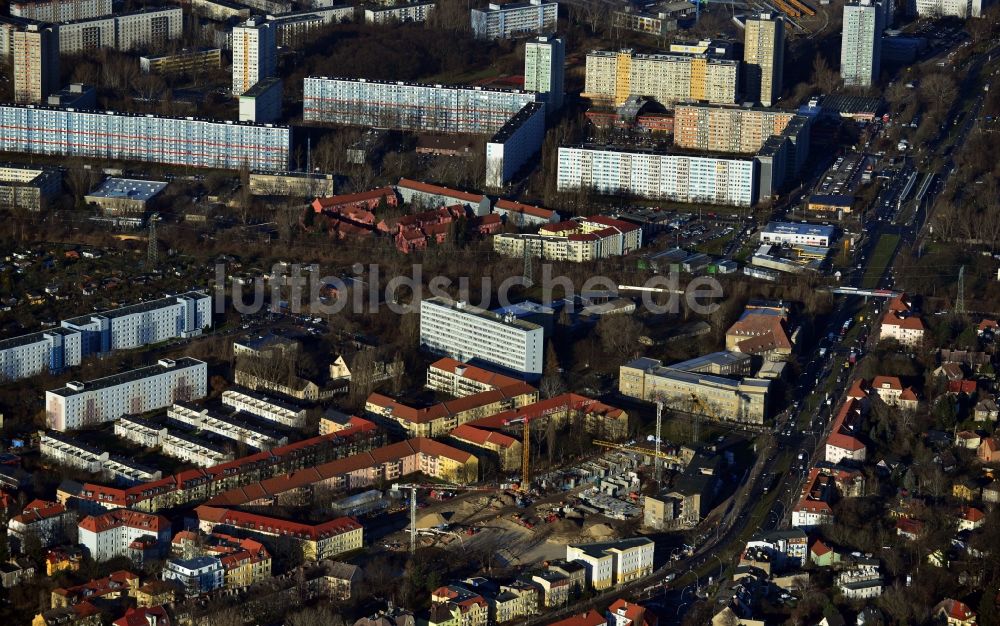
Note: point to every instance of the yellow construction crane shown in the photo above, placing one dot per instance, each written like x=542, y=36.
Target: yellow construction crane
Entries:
x=656, y=454
x=526, y=419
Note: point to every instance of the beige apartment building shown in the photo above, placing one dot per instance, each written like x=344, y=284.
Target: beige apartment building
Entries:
x=25, y=187
x=697, y=75
x=727, y=129
x=731, y=399
x=36, y=64
x=763, y=58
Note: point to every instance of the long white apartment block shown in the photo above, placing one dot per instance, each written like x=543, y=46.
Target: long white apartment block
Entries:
x=149, y=27
x=134, y=326
x=504, y=21
x=137, y=325
x=47, y=351
x=961, y=9
x=730, y=180
x=466, y=332
x=283, y=413
x=87, y=404
x=410, y=12
x=59, y=10
x=230, y=426
x=184, y=141
x=410, y=106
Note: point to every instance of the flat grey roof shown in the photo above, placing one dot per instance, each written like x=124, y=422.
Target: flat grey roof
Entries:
x=24, y=340
x=141, y=190
x=131, y=309
x=463, y=307
x=129, y=376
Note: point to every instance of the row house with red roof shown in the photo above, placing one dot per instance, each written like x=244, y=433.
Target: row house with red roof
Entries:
x=113, y=589
x=814, y=506
x=318, y=541
x=389, y=463
x=452, y=600
x=122, y=532
x=506, y=449
x=440, y=419
x=427, y=195
x=366, y=200
x=843, y=443
x=196, y=485
x=901, y=324
x=49, y=522
x=580, y=240
x=523, y=215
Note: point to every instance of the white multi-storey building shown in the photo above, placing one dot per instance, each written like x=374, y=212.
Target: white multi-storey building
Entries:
x=146, y=433
x=861, y=44
x=503, y=21
x=47, y=521
x=283, y=413
x=514, y=144
x=59, y=10
x=118, y=329
x=196, y=576
x=678, y=177
x=255, y=54
x=86, y=35
x=109, y=535
x=961, y=9
x=170, y=140
x=142, y=324
x=82, y=404
x=47, y=351
x=613, y=563
x=410, y=106
x=410, y=12
x=545, y=69
x=230, y=426
x=149, y=27
x=465, y=332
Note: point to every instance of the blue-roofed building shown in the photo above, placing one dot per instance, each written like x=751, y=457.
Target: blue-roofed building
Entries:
x=797, y=234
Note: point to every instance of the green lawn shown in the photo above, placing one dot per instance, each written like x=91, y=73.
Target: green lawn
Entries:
x=884, y=251
x=715, y=246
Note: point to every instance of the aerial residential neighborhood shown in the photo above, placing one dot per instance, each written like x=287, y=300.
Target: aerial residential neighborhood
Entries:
x=576, y=313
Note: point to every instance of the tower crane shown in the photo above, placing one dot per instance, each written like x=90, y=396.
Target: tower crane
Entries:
x=414, y=487
x=526, y=419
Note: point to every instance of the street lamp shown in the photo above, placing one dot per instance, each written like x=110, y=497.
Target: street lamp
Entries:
x=721, y=565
